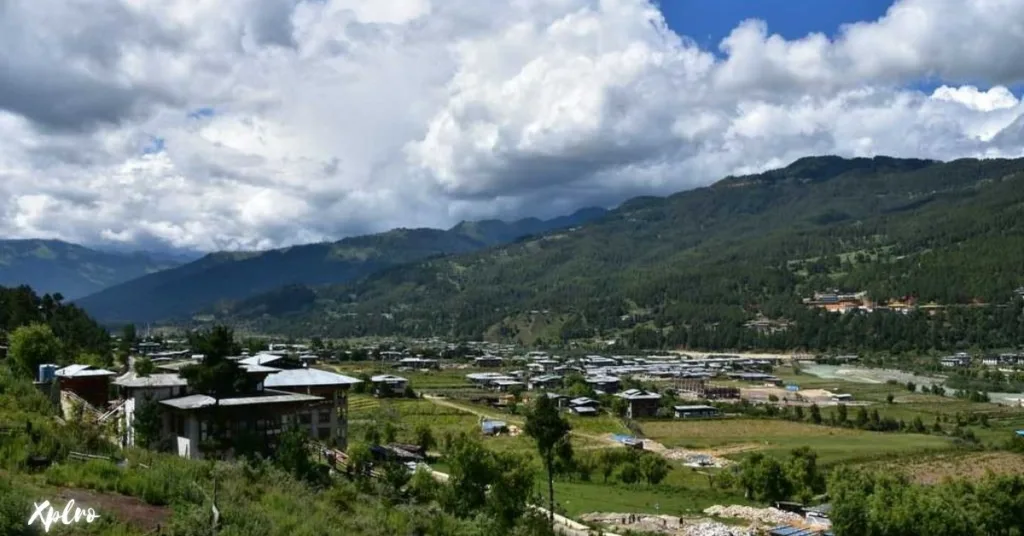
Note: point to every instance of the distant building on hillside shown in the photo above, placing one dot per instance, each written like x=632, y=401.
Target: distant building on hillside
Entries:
x=88, y=383
x=640, y=403
x=385, y=385
x=488, y=361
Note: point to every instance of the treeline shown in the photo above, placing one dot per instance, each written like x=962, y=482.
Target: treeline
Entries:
x=77, y=332
x=947, y=330
x=883, y=503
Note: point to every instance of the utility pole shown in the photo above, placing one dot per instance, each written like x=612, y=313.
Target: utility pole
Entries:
x=216, y=512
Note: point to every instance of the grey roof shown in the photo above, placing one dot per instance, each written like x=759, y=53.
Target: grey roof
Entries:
x=585, y=409
x=81, y=371
x=177, y=365
x=202, y=401
x=253, y=369
x=132, y=379
x=387, y=378
x=602, y=379
x=636, y=394
x=582, y=400
x=694, y=408
x=307, y=376
x=261, y=359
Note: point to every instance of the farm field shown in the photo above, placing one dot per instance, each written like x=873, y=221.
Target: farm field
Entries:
x=968, y=465
x=1002, y=420
x=777, y=437
x=669, y=498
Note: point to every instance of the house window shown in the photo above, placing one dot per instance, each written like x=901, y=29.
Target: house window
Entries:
x=323, y=433
x=324, y=416
x=305, y=418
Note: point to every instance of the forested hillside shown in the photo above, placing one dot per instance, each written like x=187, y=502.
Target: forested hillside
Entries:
x=220, y=278
x=78, y=334
x=693, y=268
x=52, y=266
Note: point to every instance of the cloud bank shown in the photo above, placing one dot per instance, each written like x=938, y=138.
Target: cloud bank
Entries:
x=243, y=124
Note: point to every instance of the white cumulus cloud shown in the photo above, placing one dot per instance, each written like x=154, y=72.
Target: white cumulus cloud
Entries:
x=241, y=124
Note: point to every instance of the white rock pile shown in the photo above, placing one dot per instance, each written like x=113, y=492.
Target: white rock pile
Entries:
x=757, y=516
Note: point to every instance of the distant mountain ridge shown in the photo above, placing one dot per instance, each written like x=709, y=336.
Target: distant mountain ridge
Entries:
x=55, y=266
x=224, y=277
x=698, y=265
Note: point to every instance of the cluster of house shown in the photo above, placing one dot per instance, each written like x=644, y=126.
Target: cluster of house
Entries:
x=603, y=375
x=287, y=392
x=963, y=360
x=845, y=302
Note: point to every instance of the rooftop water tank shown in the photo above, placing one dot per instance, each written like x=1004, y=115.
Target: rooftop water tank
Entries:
x=47, y=372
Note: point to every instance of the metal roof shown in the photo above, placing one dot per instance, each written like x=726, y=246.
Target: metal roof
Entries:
x=694, y=408
x=307, y=376
x=81, y=371
x=787, y=530
x=636, y=394
x=254, y=369
x=387, y=378
x=203, y=401
x=133, y=380
x=261, y=359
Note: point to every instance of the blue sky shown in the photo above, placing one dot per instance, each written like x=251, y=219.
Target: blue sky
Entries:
x=709, y=21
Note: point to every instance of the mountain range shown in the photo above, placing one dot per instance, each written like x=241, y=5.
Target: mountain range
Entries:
x=712, y=258
x=53, y=266
x=218, y=280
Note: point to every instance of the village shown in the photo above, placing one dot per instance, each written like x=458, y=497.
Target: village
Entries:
x=658, y=404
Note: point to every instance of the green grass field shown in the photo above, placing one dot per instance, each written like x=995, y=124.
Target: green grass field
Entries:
x=833, y=445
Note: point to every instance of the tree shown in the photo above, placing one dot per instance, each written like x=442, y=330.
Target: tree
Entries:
x=816, y=414
x=360, y=460
x=841, y=414
x=125, y=345
x=470, y=474
x=218, y=377
x=394, y=476
x=512, y=484
x=606, y=462
x=654, y=468
x=549, y=429
x=803, y=473
x=33, y=345
x=425, y=437
x=630, y=473
x=889, y=398
x=144, y=366
x=292, y=455
x=148, y=424
x=764, y=478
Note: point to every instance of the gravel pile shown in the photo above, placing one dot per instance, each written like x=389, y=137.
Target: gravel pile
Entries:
x=758, y=516
x=695, y=459
x=712, y=528
x=669, y=525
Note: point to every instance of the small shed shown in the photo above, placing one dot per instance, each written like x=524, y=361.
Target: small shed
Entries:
x=695, y=412
x=489, y=427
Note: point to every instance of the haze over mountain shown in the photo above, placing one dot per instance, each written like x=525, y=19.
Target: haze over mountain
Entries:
x=235, y=275
x=53, y=266
x=706, y=259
